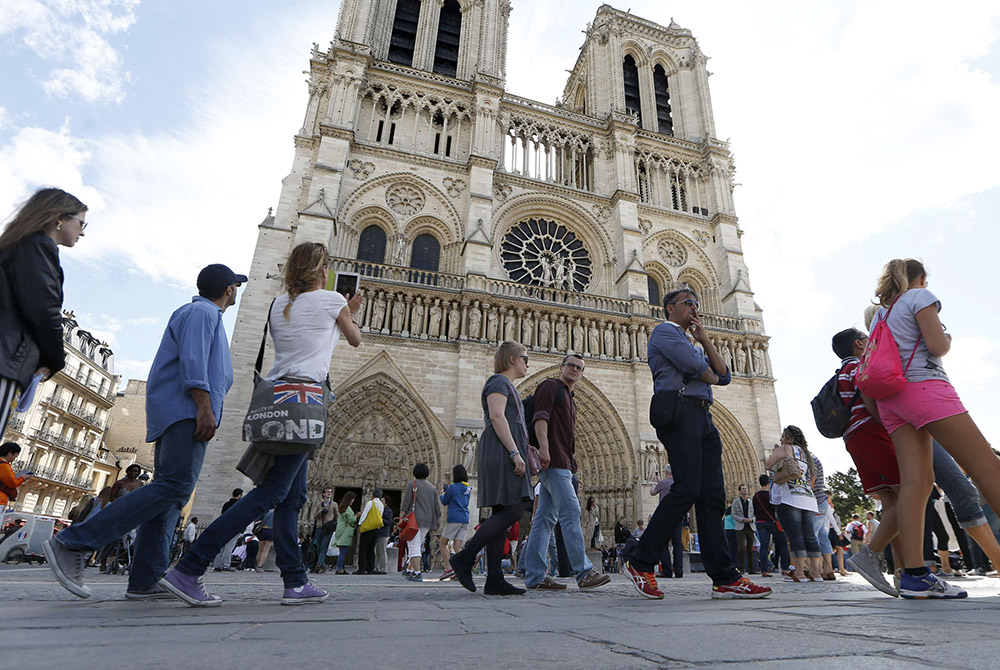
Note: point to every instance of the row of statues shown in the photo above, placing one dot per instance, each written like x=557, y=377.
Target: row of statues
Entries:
x=435, y=318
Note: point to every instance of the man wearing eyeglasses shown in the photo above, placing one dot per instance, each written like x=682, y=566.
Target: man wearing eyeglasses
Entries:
x=555, y=424
x=683, y=376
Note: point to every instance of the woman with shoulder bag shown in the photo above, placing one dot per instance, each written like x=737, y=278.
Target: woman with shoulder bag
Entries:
x=795, y=503
x=504, y=484
x=427, y=510
x=305, y=324
x=344, y=535
x=31, y=291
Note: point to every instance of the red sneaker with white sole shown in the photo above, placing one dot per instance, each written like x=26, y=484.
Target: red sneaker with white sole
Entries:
x=644, y=582
x=741, y=588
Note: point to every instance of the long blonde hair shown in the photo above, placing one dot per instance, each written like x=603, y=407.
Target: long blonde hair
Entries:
x=896, y=277
x=43, y=210
x=302, y=270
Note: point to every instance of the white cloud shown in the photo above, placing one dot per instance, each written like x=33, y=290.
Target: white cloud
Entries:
x=4, y=118
x=73, y=35
x=145, y=321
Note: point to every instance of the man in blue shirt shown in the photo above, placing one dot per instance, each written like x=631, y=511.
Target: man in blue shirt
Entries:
x=679, y=411
x=190, y=376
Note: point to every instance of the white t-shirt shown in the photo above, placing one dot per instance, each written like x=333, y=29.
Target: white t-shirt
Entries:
x=905, y=330
x=796, y=493
x=304, y=343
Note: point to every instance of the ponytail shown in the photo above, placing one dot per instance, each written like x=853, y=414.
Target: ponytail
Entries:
x=896, y=277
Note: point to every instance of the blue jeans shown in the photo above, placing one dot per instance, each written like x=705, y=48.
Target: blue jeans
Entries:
x=822, y=532
x=962, y=493
x=798, y=525
x=557, y=502
x=342, y=555
x=765, y=531
x=284, y=489
x=153, y=508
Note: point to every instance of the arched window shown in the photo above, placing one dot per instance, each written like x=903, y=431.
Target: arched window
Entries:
x=633, y=104
x=660, y=86
x=449, y=34
x=371, y=245
x=654, y=291
x=404, y=32
x=426, y=253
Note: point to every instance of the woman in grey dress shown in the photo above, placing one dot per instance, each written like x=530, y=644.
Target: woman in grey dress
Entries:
x=504, y=483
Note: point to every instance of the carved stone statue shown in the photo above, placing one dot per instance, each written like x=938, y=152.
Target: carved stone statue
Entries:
x=579, y=343
x=727, y=355
x=475, y=322
x=398, y=315
x=594, y=341
x=759, y=361
x=527, y=329
x=454, y=322
x=491, y=325
x=434, y=324
x=641, y=343
x=561, y=334
x=468, y=450
x=417, y=319
x=378, y=311
x=741, y=359
x=624, y=346
x=609, y=341
x=508, y=326
x=543, y=332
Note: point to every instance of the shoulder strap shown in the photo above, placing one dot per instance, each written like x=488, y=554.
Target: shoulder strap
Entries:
x=263, y=340
x=915, y=344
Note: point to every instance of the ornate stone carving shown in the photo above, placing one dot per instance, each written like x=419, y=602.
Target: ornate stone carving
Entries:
x=492, y=323
x=544, y=253
x=475, y=322
x=703, y=237
x=672, y=253
x=405, y=199
x=454, y=321
x=453, y=186
x=434, y=322
x=501, y=192
x=741, y=359
x=378, y=311
x=602, y=213
x=645, y=225
x=543, y=332
x=362, y=169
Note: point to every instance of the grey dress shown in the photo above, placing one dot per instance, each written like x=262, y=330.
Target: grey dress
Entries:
x=498, y=485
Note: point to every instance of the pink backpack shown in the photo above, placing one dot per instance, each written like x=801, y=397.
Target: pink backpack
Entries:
x=880, y=372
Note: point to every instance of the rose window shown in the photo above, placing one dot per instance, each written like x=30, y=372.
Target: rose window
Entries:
x=544, y=253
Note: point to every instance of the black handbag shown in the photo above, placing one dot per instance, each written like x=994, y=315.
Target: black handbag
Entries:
x=663, y=409
x=286, y=416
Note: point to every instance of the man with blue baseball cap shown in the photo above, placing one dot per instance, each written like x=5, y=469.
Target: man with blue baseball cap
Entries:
x=190, y=376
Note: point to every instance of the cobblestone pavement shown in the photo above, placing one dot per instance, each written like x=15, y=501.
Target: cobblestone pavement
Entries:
x=385, y=622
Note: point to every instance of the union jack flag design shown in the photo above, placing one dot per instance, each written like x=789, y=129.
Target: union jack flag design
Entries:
x=306, y=394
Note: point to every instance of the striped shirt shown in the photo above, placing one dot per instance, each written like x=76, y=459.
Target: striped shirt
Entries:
x=848, y=388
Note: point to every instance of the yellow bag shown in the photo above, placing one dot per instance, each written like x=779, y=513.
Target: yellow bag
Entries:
x=373, y=520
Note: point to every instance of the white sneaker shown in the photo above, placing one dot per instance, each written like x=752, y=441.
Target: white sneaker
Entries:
x=866, y=564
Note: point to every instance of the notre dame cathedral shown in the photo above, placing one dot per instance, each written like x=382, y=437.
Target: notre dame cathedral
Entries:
x=475, y=216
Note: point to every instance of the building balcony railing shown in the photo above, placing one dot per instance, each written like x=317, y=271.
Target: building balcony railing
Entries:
x=51, y=438
x=77, y=410
x=78, y=376
x=452, y=308
x=16, y=425
x=53, y=475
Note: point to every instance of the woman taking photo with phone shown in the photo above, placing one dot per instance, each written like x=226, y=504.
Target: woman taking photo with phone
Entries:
x=31, y=293
x=504, y=484
x=305, y=324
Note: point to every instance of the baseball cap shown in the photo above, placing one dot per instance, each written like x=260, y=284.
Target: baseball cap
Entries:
x=377, y=493
x=214, y=279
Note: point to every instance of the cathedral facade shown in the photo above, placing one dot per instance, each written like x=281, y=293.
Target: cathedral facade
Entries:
x=476, y=216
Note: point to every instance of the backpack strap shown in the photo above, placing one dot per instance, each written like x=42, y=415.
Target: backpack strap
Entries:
x=263, y=340
x=915, y=344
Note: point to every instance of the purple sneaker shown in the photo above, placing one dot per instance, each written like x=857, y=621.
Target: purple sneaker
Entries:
x=303, y=595
x=189, y=589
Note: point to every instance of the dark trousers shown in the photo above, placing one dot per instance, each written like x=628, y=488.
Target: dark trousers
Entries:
x=765, y=531
x=732, y=544
x=366, y=551
x=744, y=548
x=694, y=450
x=674, y=568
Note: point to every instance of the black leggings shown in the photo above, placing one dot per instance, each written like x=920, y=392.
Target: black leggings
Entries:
x=492, y=534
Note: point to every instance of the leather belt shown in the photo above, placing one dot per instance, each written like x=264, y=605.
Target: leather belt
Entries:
x=704, y=404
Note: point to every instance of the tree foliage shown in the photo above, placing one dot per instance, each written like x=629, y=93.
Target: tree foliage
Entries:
x=848, y=495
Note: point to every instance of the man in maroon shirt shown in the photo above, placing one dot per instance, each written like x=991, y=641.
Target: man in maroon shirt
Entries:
x=767, y=527
x=555, y=424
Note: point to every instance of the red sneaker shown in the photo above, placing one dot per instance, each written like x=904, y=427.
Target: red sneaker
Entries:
x=741, y=588
x=644, y=582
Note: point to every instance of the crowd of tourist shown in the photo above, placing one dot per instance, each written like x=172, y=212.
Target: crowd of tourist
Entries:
x=909, y=436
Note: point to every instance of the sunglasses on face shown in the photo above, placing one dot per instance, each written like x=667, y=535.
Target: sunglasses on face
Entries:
x=525, y=358
x=690, y=302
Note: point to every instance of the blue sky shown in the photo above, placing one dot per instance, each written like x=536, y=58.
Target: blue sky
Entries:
x=861, y=130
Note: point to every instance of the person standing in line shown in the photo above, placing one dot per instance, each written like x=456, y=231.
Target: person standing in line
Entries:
x=31, y=291
x=795, y=503
x=555, y=427
x=456, y=498
x=428, y=512
x=682, y=381
x=344, y=535
x=767, y=528
x=9, y=481
x=592, y=526
x=223, y=562
x=305, y=323
x=324, y=526
x=190, y=532
x=366, y=538
x=504, y=484
x=382, y=540
x=191, y=374
x=745, y=527
x=668, y=568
